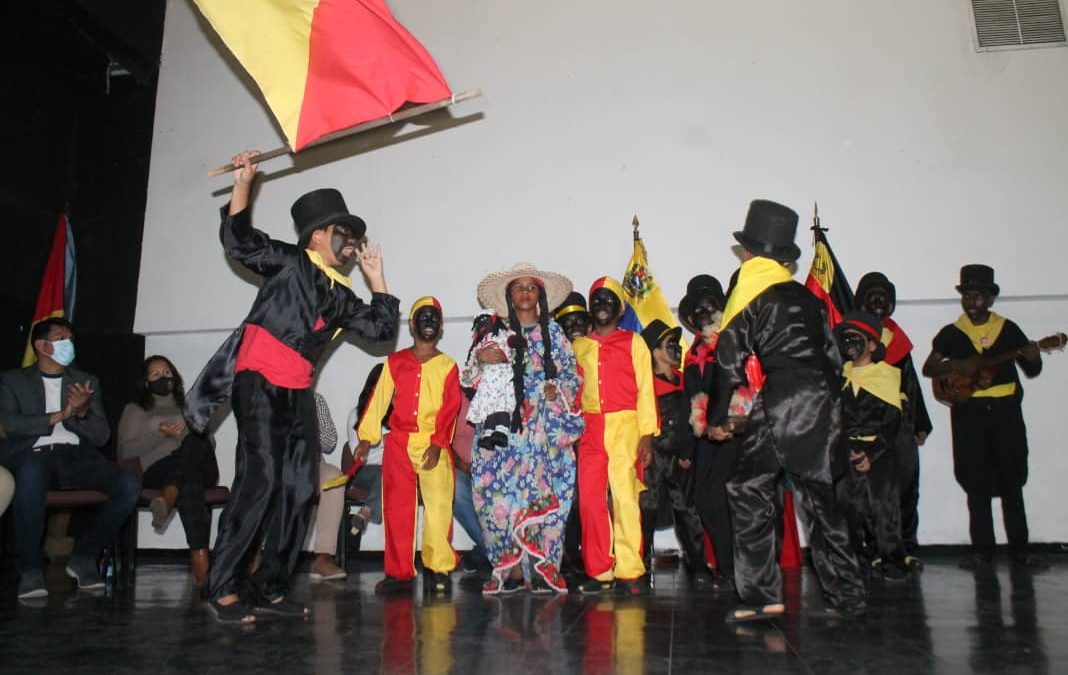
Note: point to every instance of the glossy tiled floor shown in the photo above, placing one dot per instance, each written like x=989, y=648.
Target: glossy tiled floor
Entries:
x=1001, y=620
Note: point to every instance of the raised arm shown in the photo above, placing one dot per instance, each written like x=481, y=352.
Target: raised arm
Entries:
x=242, y=242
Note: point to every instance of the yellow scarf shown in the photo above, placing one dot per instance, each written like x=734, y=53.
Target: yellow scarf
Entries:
x=329, y=271
x=755, y=277
x=881, y=380
x=983, y=337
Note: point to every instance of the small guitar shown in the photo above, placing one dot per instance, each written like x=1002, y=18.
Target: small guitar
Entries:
x=954, y=388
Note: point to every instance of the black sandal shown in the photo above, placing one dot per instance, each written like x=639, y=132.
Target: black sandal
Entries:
x=283, y=607
x=234, y=613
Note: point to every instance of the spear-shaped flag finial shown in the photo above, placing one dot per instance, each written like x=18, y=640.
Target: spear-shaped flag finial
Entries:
x=634, y=224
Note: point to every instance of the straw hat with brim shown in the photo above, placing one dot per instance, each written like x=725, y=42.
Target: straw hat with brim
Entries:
x=321, y=208
x=492, y=289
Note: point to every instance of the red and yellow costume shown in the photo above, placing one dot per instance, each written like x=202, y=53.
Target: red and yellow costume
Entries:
x=426, y=401
x=619, y=406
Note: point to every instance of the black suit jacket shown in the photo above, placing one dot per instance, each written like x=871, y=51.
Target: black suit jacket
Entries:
x=22, y=410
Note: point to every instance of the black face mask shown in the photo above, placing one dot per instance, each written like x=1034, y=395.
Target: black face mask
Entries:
x=604, y=307
x=427, y=324
x=674, y=350
x=341, y=238
x=877, y=302
x=162, y=386
x=575, y=324
x=852, y=344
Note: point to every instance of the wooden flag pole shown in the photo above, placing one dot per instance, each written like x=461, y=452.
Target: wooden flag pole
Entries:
x=399, y=116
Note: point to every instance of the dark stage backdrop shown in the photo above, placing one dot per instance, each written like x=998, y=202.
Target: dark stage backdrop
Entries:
x=79, y=88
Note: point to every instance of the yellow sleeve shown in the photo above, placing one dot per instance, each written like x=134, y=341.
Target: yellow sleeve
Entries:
x=648, y=425
x=370, y=427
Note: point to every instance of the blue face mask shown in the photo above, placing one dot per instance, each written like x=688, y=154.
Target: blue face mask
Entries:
x=63, y=352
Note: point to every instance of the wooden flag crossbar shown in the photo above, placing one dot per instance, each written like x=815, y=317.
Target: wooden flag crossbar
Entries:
x=398, y=116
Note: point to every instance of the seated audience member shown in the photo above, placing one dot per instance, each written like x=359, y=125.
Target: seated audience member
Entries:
x=53, y=419
x=331, y=502
x=179, y=463
x=369, y=477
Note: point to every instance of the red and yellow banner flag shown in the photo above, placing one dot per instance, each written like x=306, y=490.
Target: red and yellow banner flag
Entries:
x=56, y=284
x=326, y=65
x=827, y=281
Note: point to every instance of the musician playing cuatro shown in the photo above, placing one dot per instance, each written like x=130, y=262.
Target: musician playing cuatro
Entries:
x=989, y=436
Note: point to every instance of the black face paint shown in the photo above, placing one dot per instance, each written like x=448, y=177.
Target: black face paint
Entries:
x=674, y=349
x=161, y=386
x=705, y=313
x=852, y=344
x=604, y=307
x=575, y=324
x=427, y=324
x=343, y=243
x=877, y=302
x=976, y=304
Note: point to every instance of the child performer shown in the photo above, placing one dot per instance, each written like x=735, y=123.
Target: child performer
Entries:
x=871, y=416
x=494, y=400
x=423, y=385
x=669, y=476
x=619, y=406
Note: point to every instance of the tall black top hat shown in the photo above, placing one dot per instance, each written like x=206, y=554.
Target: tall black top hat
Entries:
x=656, y=331
x=319, y=208
x=980, y=277
x=701, y=286
x=769, y=231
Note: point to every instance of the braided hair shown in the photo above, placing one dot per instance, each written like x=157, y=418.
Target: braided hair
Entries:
x=520, y=346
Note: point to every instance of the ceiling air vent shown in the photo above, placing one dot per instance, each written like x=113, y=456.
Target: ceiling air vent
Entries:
x=1017, y=24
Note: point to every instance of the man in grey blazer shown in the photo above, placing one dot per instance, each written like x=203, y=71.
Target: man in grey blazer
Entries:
x=53, y=419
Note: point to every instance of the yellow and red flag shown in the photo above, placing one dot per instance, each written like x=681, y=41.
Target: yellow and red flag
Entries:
x=56, y=297
x=826, y=279
x=326, y=65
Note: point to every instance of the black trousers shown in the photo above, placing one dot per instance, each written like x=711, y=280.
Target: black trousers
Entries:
x=667, y=501
x=713, y=464
x=872, y=506
x=755, y=504
x=981, y=522
x=192, y=469
x=274, y=483
x=66, y=467
x=908, y=485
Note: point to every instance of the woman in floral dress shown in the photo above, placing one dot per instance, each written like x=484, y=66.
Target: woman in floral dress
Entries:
x=523, y=492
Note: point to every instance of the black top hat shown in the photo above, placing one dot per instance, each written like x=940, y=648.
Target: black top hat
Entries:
x=865, y=323
x=769, y=231
x=701, y=286
x=980, y=277
x=875, y=280
x=323, y=207
x=574, y=302
x=656, y=331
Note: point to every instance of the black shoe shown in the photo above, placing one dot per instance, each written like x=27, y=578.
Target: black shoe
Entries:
x=281, y=607
x=83, y=570
x=913, y=563
x=975, y=562
x=438, y=584
x=1030, y=561
x=633, y=588
x=538, y=586
x=391, y=585
x=855, y=612
x=595, y=587
x=499, y=439
x=32, y=585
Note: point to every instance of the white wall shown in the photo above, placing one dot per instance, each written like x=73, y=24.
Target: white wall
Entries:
x=922, y=153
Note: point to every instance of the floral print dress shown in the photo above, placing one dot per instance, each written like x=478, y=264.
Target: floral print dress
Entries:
x=524, y=492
